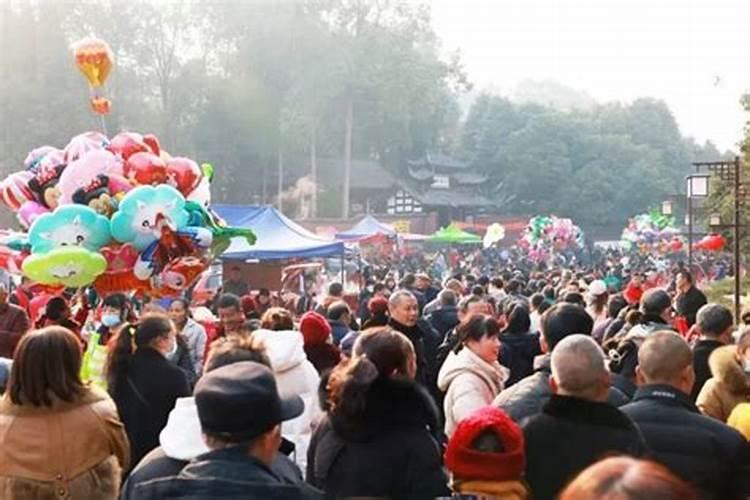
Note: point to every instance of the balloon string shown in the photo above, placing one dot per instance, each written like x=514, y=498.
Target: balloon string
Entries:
x=92, y=95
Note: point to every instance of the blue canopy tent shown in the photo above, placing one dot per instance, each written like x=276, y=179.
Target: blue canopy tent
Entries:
x=368, y=226
x=277, y=236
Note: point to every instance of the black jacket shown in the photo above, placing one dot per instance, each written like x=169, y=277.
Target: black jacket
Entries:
x=528, y=397
x=388, y=449
x=426, y=342
x=701, y=351
x=157, y=465
x=701, y=450
x=145, y=393
x=443, y=319
x=687, y=304
x=569, y=435
x=229, y=473
x=524, y=347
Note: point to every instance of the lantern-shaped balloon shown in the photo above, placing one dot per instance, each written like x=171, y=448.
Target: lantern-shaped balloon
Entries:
x=100, y=105
x=94, y=59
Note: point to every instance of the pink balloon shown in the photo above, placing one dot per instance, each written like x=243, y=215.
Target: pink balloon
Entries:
x=29, y=211
x=81, y=172
x=118, y=184
x=51, y=160
x=35, y=156
x=83, y=143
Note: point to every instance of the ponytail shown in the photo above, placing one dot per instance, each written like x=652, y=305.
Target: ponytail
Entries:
x=129, y=338
x=378, y=353
x=121, y=350
x=348, y=385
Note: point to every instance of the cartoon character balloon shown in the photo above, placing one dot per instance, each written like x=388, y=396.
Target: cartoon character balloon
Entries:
x=143, y=210
x=83, y=143
x=37, y=155
x=69, y=225
x=44, y=186
x=80, y=173
x=71, y=266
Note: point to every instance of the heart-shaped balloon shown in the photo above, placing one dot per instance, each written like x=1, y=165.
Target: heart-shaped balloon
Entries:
x=183, y=174
x=126, y=144
x=153, y=143
x=146, y=169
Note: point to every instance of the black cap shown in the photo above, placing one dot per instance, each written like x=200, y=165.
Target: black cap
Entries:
x=654, y=301
x=239, y=402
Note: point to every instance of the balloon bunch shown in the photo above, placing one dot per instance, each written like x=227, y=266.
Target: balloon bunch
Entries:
x=545, y=235
x=120, y=214
x=711, y=243
x=651, y=232
x=494, y=234
x=94, y=59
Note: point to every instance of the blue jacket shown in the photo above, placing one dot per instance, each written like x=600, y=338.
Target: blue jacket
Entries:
x=339, y=329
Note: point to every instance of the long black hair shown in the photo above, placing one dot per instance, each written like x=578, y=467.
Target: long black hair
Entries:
x=131, y=337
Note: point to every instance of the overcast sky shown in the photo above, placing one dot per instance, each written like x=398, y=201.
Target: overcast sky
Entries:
x=695, y=54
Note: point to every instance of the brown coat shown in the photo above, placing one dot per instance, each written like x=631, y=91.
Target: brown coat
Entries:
x=728, y=387
x=70, y=451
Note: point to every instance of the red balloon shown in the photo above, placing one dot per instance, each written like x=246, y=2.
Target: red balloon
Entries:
x=153, y=143
x=675, y=245
x=711, y=243
x=184, y=174
x=146, y=169
x=715, y=242
x=126, y=144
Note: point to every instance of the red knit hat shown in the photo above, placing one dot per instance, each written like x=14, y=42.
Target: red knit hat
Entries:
x=377, y=305
x=248, y=304
x=468, y=463
x=315, y=328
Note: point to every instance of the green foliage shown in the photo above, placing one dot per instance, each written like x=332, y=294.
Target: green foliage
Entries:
x=242, y=83
x=598, y=165
x=236, y=83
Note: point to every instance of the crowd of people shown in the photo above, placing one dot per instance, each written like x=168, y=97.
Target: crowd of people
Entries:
x=511, y=382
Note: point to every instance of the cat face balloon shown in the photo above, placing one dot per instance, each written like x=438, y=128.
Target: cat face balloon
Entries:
x=143, y=211
x=69, y=225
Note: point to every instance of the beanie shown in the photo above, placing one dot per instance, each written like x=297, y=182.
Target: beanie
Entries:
x=377, y=305
x=315, y=328
x=467, y=463
x=248, y=304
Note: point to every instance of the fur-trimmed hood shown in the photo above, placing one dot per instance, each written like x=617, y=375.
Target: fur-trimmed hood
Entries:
x=727, y=370
x=389, y=403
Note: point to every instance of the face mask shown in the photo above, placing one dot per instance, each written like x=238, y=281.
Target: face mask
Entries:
x=110, y=320
x=746, y=366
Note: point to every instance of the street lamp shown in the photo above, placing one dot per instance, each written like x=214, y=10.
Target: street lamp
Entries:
x=714, y=220
x=666, y=207
x=697, y=187
x=730, y=172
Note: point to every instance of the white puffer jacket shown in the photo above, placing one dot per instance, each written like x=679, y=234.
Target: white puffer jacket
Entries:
x=469, y=383
x=295, y=375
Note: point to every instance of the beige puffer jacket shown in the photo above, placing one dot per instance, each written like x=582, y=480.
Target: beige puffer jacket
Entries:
x=469, y=383
x=728, y=387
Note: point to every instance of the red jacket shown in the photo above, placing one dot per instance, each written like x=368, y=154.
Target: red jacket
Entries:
x=14, y=323
x=633, y=293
